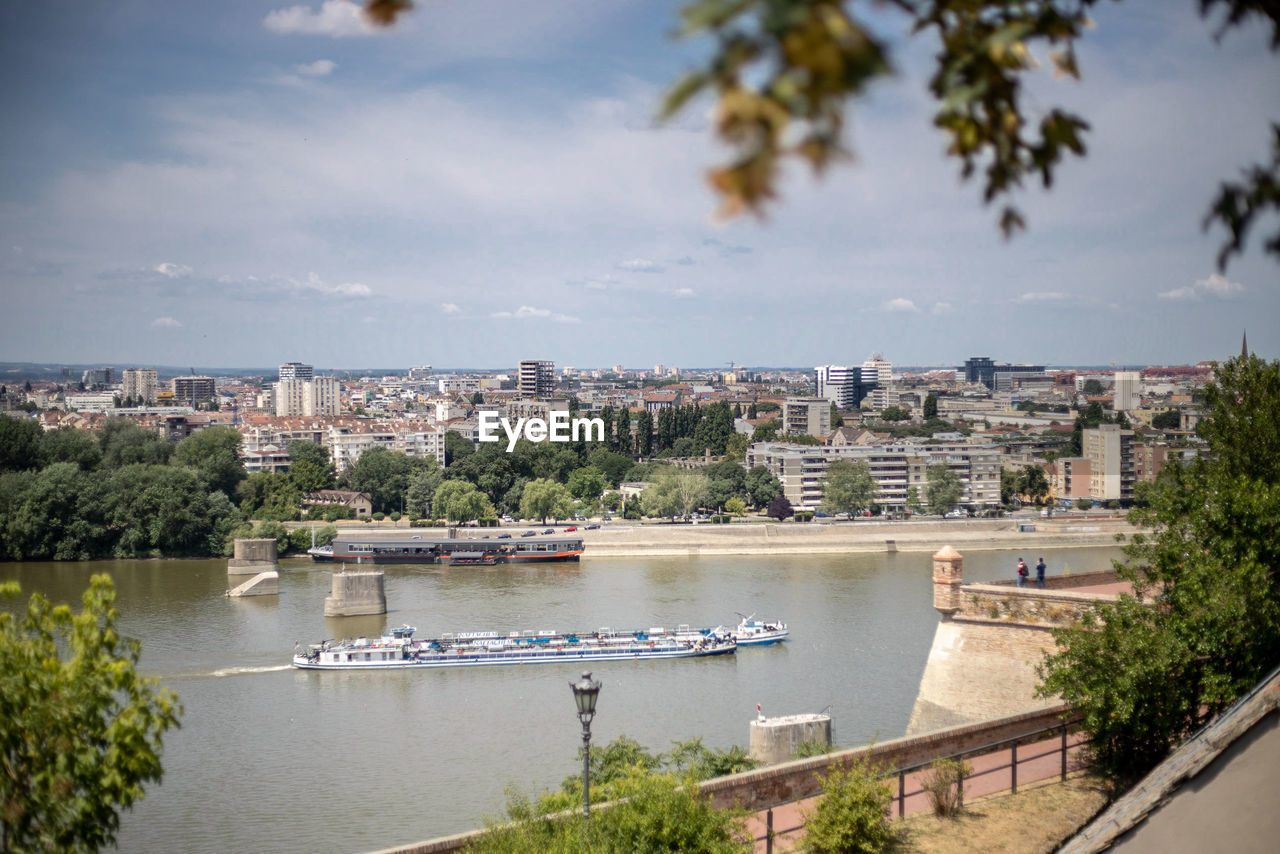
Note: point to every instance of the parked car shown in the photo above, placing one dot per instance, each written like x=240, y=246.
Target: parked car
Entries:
x=528, y=533
x=593, y=526
x=956, y=514
x=570, y=529
x=549, y=531
x=504, y=536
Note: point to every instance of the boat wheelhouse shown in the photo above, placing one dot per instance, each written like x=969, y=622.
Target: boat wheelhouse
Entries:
x=463, y=551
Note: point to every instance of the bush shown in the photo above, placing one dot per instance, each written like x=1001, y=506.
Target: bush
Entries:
x=806, y=749
x=852, y=814
x=945, y=785
x=378, y=517
x=395, y=516
x=420, y=523
x=273, y=530
x=803, y=516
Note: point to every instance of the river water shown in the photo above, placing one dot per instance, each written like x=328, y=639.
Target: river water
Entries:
x=272, y=759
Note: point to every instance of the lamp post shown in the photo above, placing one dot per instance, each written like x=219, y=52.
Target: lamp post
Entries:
x=585, y=692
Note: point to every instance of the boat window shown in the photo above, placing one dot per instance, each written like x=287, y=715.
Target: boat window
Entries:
x=368, y=656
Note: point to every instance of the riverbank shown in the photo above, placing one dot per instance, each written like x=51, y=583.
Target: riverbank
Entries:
x=626, y=539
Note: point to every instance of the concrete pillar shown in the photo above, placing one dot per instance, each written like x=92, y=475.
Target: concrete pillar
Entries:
x=262, y=584
x=948, y=573
x=775, y=740
x=356, y=594
x=253, y=556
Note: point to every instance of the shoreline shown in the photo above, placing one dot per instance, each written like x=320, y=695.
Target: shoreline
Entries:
x=625, y=539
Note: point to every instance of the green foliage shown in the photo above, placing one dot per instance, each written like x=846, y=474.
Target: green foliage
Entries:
x=848, y=487
x=81, y=733
x=271, y=530
x=123, y=443
x=806, y=749
x=762, y=486
x=20, y=440
x=456, y=447
x=384, y=474
x=766, y=431
x=542, y=498
x=675, y=494
x=1084, y=503
x=943, y=488
x=930, y=406
x=895, y=413
x=587, y=483
x=944, y=784
x=779, y=508
x=1170, y=419
x=1033, y=483
x=694, y=759
x=1092, y=386
x=1204, y=624
x=69, y=445
x=735, y=507
x=214, y=454
x=422, y=489
x=459, y=501
x=269, y=495
x=851, y=815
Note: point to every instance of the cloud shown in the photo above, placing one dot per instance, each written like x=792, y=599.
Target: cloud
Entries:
x=683, y=293
x=528, y=312
x=900, y=304
x=349, y=289
x=319, y=68
x=640, y=265
x=685, y=261
x=335, y=18
x=941, y=308
x=166, y=323
x=173, y=271
x=1044, y=296
x=450, y=308
x=1216, y=286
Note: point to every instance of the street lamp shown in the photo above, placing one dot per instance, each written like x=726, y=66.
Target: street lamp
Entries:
x=585, y=692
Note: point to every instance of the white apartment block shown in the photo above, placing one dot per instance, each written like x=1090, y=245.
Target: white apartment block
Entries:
x=877, y=370
x=347, y=443
x=807, y=415
x=317, y=396
x=140, y=384
x=296, y=371
x=1128, y=391
x=895, y=468
x=1109, y=450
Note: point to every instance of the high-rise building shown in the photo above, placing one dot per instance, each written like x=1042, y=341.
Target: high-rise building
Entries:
x=296, y=371
x=877, y=371
x=139, y=384
x=980, y=369
x=1128, y=387
x=316, y=396
x=807, y=415
x=419, y=373
x=842, y=385
x=98, y=378
x=1109, y=450
x=192, y=390
x=536, y=378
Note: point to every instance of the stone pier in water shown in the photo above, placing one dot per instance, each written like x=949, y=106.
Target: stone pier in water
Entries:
x=356, y=594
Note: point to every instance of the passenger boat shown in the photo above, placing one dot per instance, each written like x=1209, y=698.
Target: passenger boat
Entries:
x=753, y=632
x=419, y=550
x=399, y=650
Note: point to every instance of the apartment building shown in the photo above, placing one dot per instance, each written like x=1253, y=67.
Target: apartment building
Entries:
x=810, y=416
x=1071, y=478
x=536, y=378
x=316, y=396
x=1109, y=450
x=347, y=442
x=192, y=390
x=1127, y=391
x=895, y=467
x=140, y=384
x=296, y=371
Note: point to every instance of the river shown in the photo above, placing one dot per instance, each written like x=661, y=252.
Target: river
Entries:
x=276, y=760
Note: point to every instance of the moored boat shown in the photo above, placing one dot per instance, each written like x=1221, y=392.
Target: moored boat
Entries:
x=753, y=632
x=420, y=550
x=399, y=650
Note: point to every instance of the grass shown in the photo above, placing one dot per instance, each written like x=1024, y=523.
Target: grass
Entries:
x=1037, y=819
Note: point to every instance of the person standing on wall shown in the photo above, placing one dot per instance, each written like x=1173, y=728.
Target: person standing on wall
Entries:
x=1022, y=573
x=1040, y=574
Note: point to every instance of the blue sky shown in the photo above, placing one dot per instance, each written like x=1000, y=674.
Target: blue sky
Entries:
x=249, y=182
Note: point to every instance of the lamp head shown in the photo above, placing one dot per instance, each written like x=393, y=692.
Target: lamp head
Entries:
x=585, y=693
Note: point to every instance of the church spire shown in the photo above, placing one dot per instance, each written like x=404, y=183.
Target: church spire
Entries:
x=1244, y=345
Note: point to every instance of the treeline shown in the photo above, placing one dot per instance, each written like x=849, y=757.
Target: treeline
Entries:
x=124, y=492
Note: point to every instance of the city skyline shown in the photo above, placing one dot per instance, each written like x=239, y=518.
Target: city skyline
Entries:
x=248, y=182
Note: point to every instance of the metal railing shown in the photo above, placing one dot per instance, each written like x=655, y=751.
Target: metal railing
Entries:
x=1034, y=739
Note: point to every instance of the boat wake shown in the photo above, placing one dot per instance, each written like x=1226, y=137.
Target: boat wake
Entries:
x=243, y=671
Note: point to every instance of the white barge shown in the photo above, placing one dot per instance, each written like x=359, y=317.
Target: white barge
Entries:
x=399, y=650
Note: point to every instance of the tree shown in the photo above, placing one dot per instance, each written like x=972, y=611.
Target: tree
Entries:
x=384, y=474
x=422, y=489
x=836, y=420
x=214, y=454
x=1092, y=386
x=942, y=488
x=123, y=443
x=587, y=483
x=19, y=444
x=848, y=487
x=853, y=813
x=779, y=508
x=542, y=498
x=675, y=494
x=895, y=413
x=913, y=499
x=735, y=507
x=1033, y=483
x=69, y=445
x=456, y=447
x=644, y=434
x=1170, y=419
x=735, y=448
x=766, y=431
x=460, y=501
x=1203, y=625
x=762, y=486
x=81, y=733
x=930, y=406
x=1084, y=503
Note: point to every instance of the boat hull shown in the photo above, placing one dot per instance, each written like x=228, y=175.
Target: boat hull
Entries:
x=469, y=658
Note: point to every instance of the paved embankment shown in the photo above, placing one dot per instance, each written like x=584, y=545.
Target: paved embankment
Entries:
x=627, y=540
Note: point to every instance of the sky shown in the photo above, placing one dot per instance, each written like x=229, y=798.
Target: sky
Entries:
x=250, y=182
